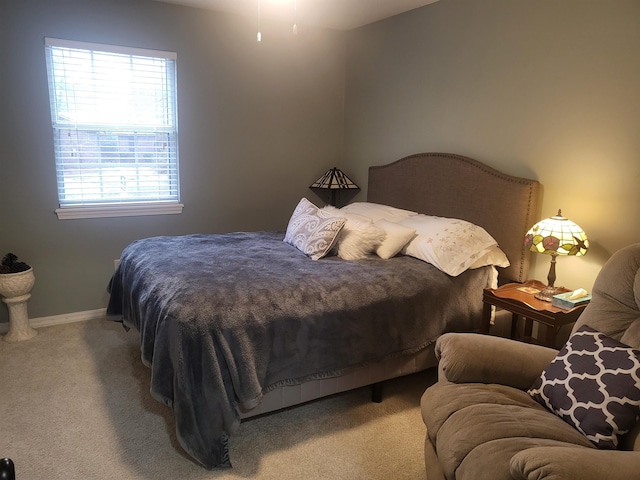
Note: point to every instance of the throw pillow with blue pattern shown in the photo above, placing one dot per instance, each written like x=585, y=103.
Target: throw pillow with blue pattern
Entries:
x=594, y=385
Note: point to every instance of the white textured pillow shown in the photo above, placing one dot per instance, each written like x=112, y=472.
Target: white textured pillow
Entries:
x=311, y=230
x=450, y=244
x=359, y=236
x=359, y=239
x=397, y=237
x=376, y=211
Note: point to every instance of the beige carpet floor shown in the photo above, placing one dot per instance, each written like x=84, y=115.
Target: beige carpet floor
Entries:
x=75, y=404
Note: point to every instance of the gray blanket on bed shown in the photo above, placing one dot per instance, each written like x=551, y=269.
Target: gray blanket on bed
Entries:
x=223, y=319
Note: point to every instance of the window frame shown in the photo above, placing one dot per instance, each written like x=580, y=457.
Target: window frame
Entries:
x=106, y=207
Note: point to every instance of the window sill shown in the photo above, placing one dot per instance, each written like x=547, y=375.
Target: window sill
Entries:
x=118, y=210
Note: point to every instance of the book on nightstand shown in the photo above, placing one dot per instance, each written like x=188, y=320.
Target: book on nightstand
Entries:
x=563, y=301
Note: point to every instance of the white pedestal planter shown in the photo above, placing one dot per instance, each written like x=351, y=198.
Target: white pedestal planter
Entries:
x=15, y=289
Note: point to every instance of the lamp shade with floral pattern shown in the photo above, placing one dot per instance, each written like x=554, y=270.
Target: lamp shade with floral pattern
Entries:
x=555, y=236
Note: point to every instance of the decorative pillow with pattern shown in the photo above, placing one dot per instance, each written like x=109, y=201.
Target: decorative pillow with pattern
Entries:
x=311, y=230
x=594, y=385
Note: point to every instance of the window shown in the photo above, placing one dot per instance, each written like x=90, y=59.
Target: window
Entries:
x=114, y=118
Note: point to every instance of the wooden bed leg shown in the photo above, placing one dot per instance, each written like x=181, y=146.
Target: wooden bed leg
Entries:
x=376, y=392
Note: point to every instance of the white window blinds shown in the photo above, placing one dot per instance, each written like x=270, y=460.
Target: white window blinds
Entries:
x=114, y=118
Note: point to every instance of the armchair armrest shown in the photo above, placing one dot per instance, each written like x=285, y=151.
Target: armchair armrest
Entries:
x=472, y=357
x=566, y=463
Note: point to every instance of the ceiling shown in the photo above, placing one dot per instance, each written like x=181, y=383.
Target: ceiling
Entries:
x=334, y=14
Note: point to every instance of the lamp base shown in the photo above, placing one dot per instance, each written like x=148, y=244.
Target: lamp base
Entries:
x=547, y=293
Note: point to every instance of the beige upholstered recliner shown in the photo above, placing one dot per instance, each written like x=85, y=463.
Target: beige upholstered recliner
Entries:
x=482, y=424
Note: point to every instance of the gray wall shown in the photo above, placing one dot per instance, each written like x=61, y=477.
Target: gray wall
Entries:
x=543, y=89
x=258, y=123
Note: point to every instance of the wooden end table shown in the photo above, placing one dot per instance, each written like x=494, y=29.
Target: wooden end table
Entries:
x=510, y=297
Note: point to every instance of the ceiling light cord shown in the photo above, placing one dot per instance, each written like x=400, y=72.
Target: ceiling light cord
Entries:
x=295, y=22
x=259, y=36
x=295, y=16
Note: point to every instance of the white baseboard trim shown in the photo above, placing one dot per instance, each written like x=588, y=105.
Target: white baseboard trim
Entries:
x=40, y=322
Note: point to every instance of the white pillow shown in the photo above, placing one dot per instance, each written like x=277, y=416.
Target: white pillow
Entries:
x=450, y=244
x=359, y=237
x=397, y=237
x=493, y=256
x=311, y=230
x=376, y=211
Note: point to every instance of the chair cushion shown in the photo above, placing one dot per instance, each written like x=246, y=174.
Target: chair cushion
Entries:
x=477, y=421
x=615, y=307
x=594, y=385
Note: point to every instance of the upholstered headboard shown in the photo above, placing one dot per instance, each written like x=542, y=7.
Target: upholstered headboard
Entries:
x=454, y=186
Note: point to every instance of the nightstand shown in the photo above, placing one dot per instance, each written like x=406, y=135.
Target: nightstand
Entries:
x=510, y=297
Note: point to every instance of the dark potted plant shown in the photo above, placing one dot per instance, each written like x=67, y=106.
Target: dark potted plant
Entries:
x=16, y=282
x=10, y=264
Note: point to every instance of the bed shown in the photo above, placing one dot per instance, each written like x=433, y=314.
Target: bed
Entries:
x=240, y=324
